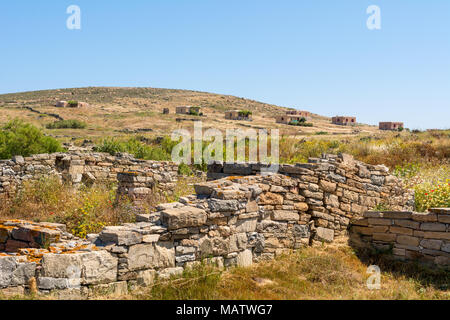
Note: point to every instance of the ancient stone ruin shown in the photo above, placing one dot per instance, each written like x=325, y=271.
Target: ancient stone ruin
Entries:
x=408, y=235
x=75, y=168
x=241, y=216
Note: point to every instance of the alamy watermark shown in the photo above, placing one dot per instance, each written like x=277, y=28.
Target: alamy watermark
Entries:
x=374, y=20
x=374, y=281
x=74, y=20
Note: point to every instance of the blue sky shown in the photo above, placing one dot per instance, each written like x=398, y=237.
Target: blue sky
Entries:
x=316, y=54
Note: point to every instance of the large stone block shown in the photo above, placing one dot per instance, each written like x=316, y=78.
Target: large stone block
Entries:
x=216, y=246
x=325, y=234
x=327, y=186
x=270, y=198
x=246, y=225
x=13, y=273
x=285, y=215
x=238, y=242
x=120, y=236
x=151, y=256
x=433, y=226
x=98, y=267
x=408, y=240
x=216, y=205
x=183, y=217
x=91, y=267
x=245, y=258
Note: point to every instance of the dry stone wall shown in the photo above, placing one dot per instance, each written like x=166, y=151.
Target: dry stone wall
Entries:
x=423, y=237
x=242, y=218
x=80, y=167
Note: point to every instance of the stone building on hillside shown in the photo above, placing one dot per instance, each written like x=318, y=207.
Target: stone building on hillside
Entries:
x=343, y=121
x=71, y=104
x=287, y=119
x=188, y=110
x=61, y=104
x=301, y=113
x=238, y=115
x=391, y=125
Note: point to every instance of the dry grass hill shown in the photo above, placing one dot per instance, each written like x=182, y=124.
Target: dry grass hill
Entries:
x=112, y=110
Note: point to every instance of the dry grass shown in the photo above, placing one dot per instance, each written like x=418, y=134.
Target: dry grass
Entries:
x=86, y=210
x=114, y=109
x=328, y=272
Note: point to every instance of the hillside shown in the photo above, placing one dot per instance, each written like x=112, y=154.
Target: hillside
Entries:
x=113, y=110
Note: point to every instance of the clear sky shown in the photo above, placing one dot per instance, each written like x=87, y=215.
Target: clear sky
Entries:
x=309, y=54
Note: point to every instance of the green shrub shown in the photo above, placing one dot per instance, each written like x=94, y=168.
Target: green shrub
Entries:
x=72, y=103
x=160, y=151
x=24, y=139
x=184, y=169
x=432, y=195
x=67, y=124
x=245, y=113
x=301, y=123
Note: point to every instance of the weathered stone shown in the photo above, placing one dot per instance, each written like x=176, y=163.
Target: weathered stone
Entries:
x=285, y=215
x=238, y=241
x=437, y=235
x=183, y=217
x=327, y=186
x=431, y=244
x=170, y=272
x=386, y=237
x=432, y=226
x=408, y=240
x=407, y=224
x=120, y=236
x=400, y=230
x=444, y=218
x=380, y=222
x=246, y=225
x=301, y=206
x=270, y=198
x=146, y=277
x=216, y=205
x=245, y=258
x=325, y=234
x=424, y=217
x=13, y=273
x=150, y=256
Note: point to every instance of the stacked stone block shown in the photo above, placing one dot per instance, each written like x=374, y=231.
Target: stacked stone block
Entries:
x=81, y=167
x=424, y=237
x=331, y=190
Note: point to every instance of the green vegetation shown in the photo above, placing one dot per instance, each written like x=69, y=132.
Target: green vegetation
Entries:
x=86, y=210
x=432, y=195
x=245, y=113
x=19, y=138
x=157, y=151
x=72, y=103
x=301, y=123
x=67, y=124
x=195, y=111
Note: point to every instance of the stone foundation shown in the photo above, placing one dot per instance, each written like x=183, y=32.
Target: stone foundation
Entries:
x=236, y=220
x=422, y=237
x=82, y=168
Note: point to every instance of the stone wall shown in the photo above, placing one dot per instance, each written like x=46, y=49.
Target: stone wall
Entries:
x=423, y=237
x=79, y=167
x=236, y=220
